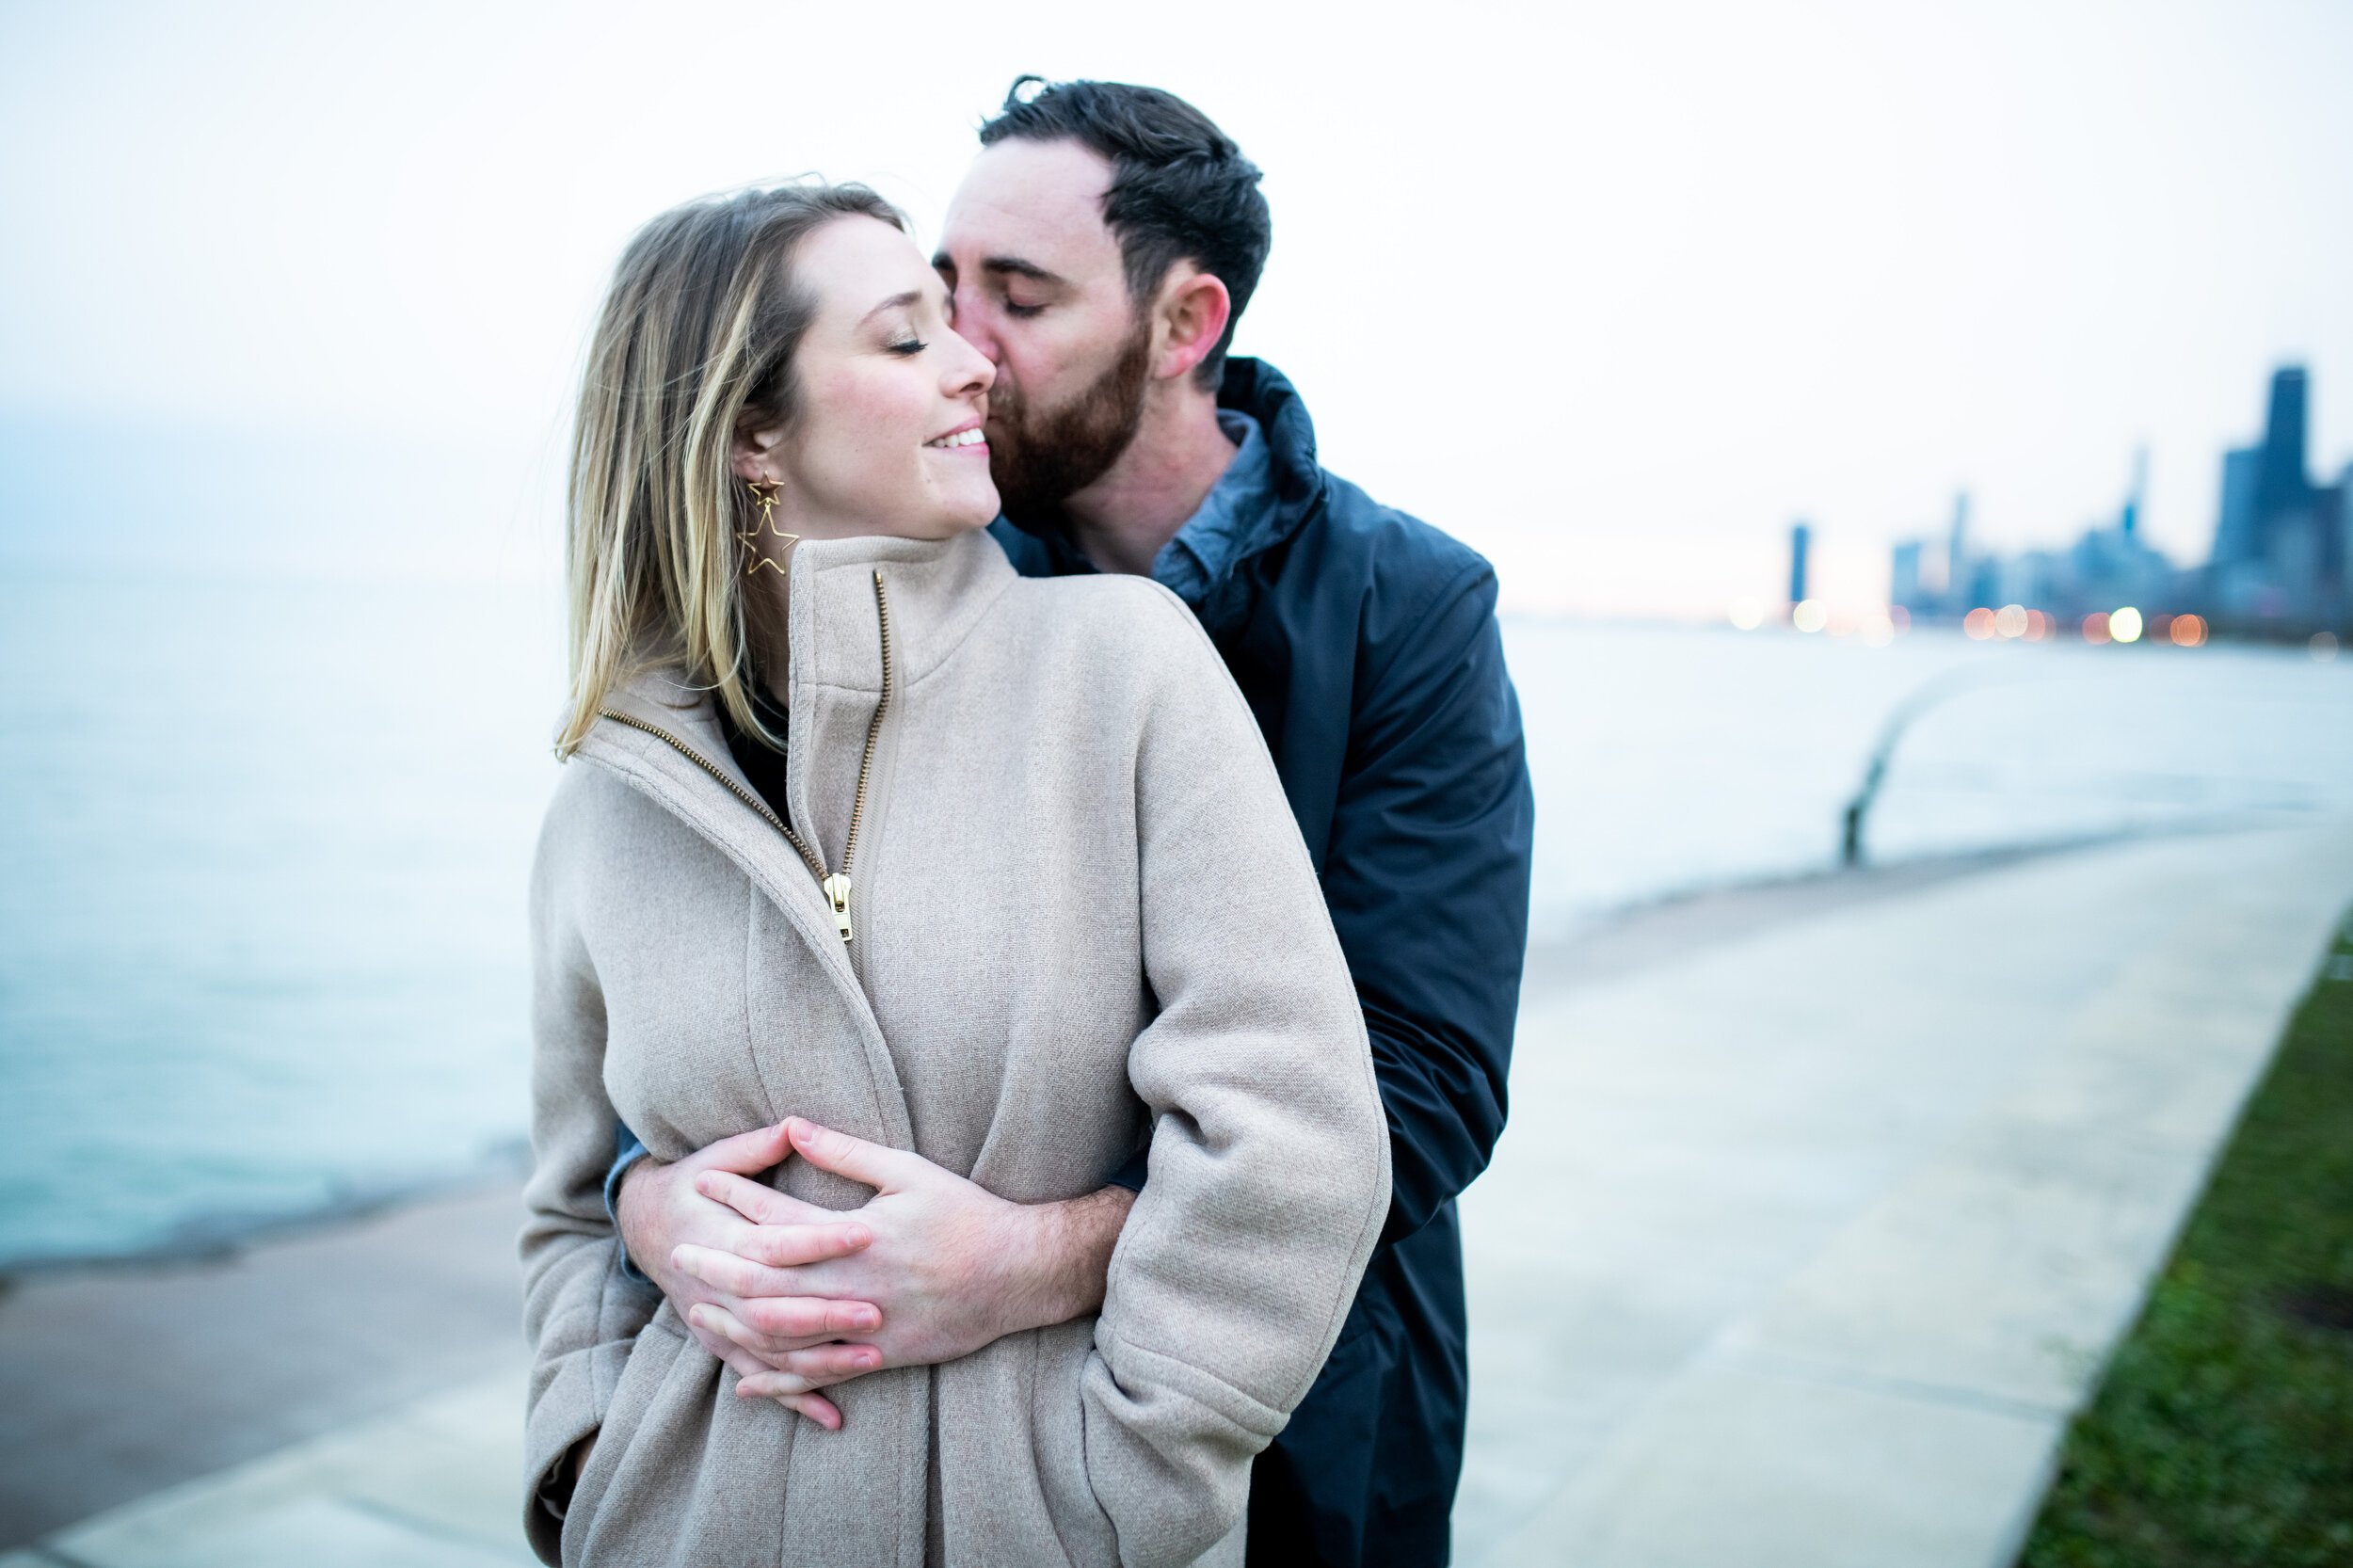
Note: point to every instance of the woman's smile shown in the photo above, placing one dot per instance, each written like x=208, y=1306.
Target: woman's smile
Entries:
x=964, y=437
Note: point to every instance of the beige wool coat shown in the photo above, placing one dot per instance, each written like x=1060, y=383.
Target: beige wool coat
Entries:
x=1083, y=917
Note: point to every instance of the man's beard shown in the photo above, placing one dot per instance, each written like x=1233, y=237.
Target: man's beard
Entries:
x=1041, y=458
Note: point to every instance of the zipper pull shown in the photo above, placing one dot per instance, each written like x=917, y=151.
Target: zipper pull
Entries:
x=837, y=894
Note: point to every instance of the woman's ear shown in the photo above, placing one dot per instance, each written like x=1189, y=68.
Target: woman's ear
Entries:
x=753, y=454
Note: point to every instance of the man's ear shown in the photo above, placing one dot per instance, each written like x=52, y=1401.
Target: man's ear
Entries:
x=1193, y=311
x=752, y=454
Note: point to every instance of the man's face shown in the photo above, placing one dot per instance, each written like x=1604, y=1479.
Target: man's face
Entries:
x=1035, y=277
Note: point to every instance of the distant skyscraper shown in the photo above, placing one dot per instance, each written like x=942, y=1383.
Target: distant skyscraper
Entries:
x=2234, y=533
x=2265, y=488
x=1799, y=537
x=1903, y=577
x=2130, y=523
x=2280, y=543
x=1956, y=553
x=2281, y=488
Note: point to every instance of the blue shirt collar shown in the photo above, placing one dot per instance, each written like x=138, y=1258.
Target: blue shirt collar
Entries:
x=1234, y=520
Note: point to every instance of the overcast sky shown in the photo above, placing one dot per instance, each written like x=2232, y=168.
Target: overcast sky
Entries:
x=1613, y=293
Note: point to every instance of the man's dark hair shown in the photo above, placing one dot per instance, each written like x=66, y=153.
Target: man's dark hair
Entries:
x=1180, y=189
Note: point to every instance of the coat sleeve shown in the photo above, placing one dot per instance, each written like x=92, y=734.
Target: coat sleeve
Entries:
x=581, y=1311
x=1427, y=875
x=1269, y=1162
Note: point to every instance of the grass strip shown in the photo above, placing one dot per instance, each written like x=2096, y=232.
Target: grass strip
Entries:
x=2223, y=1434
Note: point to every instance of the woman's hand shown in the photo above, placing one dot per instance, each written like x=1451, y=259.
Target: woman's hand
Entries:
x=950, y=1265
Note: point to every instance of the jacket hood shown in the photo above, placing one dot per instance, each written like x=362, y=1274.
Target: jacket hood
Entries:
x=1255, y=388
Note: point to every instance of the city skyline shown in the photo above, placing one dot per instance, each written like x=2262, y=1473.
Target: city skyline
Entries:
x=2276, y=566
x=1610, y=293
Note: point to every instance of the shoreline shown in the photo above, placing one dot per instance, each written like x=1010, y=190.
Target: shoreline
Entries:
x=121, y=1380
x=220, y=1235
x=1631, y=937
x=125, y=1376
x=1596, y=948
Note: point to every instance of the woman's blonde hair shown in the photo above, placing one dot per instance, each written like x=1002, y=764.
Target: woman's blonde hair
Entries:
x=695, y=341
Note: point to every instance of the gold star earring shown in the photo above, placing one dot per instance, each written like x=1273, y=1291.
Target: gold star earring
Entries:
x=765, y=497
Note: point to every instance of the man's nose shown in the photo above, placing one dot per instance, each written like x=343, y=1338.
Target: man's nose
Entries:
x=973, y=324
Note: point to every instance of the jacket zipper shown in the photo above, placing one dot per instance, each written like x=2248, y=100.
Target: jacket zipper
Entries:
x=836, y=886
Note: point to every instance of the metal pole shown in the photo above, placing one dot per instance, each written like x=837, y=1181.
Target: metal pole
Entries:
x=1937, y=689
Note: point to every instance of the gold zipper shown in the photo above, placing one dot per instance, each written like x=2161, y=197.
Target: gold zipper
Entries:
x=836, y=886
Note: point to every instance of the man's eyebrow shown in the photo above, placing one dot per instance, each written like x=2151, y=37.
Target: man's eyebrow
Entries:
x=897, y=301
x=1020, y=268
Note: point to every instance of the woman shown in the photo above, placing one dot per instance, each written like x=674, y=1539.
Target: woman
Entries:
x=1009, y=882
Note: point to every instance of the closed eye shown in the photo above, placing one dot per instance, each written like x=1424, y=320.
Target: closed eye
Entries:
x=907, y=346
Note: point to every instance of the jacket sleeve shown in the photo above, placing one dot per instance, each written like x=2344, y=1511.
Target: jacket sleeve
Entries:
x=581, y=1311
x=1426, y=874
x=1269, y=1165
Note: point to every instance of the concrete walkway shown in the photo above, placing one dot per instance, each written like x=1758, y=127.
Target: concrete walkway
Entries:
x=436, y=1485
x=1819, y=1213
x=1802, y=1250
x=348, y=1396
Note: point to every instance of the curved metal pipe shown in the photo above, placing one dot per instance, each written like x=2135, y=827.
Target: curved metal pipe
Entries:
x=1938, y=688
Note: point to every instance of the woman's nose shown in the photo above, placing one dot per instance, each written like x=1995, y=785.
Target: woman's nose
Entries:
x=973, y=374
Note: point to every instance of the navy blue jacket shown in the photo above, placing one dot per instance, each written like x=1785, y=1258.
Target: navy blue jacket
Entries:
x=1366, y=645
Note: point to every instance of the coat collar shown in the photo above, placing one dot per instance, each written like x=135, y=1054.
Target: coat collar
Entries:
x=1255, y=388
x=937, y=591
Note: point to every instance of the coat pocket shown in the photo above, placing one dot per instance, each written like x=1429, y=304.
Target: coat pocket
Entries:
x=1058, y=1443
x=678, y=1470
x=1006, y=1499
x=588, y=1524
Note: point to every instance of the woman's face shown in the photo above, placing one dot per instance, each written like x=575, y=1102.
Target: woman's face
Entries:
x=885, y=436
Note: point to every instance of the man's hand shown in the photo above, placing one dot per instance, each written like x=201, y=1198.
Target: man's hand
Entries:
x=950, y=1265
x=661, y=1214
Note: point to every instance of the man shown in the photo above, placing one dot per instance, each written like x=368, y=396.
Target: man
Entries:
x=1099, y=252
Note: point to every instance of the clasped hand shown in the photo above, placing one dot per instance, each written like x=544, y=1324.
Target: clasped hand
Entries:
x=796, y=1298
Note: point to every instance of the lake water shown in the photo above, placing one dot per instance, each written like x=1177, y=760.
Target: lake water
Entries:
x=263, y=846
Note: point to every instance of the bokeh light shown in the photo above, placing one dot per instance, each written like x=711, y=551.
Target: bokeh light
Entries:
x=1979, y=623
x=1747, y=614
x=2010, y=621
x=2324, y=646
x=2125, y=625
x=2188, y=630
x=2096, y=627
x=1811, y=614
